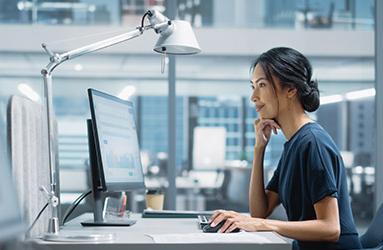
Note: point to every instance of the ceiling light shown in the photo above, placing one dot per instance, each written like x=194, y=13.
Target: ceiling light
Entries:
x=330, y=99
x=26, y=90
x=127, y=92
x=360, y=94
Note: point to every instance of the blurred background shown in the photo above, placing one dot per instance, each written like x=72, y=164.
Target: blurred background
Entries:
x=214, y=117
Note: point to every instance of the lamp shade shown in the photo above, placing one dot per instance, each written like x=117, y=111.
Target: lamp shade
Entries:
x=181, y=41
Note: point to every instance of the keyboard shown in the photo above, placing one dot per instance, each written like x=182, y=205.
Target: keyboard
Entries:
x=203, y=220
x=173, y=213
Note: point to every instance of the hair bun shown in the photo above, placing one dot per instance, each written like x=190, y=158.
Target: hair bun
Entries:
x=311, y=99
x=313, y=84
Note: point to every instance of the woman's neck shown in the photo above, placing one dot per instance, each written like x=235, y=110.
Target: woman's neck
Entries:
x=291, y=122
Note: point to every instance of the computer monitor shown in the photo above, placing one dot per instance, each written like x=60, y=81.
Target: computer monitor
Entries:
x=11, y=223
x=113, y=151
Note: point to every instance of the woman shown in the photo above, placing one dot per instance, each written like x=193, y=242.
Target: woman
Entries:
x=310, y=179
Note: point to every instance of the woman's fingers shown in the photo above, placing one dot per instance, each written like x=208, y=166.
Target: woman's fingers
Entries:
x=221, y=215
x=271, y=123
x=265, y=127
x=226, y=225
x=265, y=138
x=218, y=219
x=232, y=227
x=235, y=220
x=215, y=214
x=261, y=124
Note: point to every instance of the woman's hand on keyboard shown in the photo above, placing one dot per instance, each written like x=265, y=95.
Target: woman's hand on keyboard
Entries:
x=236, y=220
x=249, y=225
x=221, y=215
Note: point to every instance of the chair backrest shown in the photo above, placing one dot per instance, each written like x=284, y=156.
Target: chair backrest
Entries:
x=374, y=234
x=29, y=157
x=238, y=187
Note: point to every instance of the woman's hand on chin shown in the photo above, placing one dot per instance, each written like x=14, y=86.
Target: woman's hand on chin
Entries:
x=263, y=129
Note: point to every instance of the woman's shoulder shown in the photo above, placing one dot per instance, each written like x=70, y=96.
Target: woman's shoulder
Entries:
x=313, y=135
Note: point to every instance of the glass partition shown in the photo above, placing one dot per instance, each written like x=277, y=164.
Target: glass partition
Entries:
x=291, y=14
x=212, y=92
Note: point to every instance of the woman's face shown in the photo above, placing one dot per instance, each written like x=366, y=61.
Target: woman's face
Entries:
x=264, y=95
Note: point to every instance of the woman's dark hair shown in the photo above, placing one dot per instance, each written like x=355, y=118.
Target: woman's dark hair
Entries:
x=293, y=70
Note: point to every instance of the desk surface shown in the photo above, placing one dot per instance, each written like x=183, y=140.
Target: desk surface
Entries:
x=135, y=237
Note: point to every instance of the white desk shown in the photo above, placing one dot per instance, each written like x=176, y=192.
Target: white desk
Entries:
x=135, y=237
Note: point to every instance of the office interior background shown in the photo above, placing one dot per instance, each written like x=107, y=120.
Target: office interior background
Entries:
x=212, y=88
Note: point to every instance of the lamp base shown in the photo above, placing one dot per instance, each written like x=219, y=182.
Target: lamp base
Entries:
x=53, y=226
x=78, y=236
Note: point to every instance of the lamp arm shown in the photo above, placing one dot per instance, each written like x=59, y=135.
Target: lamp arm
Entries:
x=57, y=59
x=102, y=44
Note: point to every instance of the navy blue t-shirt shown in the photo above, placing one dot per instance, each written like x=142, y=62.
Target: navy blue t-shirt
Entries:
x=310, y=169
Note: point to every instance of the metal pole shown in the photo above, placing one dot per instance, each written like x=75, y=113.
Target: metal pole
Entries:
x=53, y=221
x=379, y=102
x=171, y=194
x=172, y=189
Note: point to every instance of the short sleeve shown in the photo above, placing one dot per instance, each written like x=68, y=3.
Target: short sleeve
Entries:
x=273, y=184
x=320, y=176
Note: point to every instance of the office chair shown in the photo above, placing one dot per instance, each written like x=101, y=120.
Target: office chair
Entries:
x=372, y=239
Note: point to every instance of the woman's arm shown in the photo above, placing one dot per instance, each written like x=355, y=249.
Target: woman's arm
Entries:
x=325, y=228
x=261, y=202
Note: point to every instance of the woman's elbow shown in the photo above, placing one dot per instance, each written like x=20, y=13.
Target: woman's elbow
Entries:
x=257, y=214
x=333, y=234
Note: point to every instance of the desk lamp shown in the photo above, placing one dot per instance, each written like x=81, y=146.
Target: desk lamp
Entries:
x=176, y=37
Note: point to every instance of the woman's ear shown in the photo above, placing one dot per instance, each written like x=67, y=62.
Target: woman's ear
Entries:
x=291, y=92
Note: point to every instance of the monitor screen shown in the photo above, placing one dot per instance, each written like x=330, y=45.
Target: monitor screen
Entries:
x=116, y=141
x=11, y=224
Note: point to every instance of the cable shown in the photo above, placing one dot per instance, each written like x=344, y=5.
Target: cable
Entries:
x=38, y=216
x=143, y=18
x=72, y=207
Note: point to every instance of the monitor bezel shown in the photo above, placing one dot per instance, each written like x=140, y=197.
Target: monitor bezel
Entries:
x=111, y=186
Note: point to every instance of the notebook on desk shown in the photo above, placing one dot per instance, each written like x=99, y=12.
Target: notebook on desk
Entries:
x=148, y=213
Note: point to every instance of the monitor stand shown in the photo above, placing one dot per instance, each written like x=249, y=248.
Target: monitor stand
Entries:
x=99, y=221
x=98, y=218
